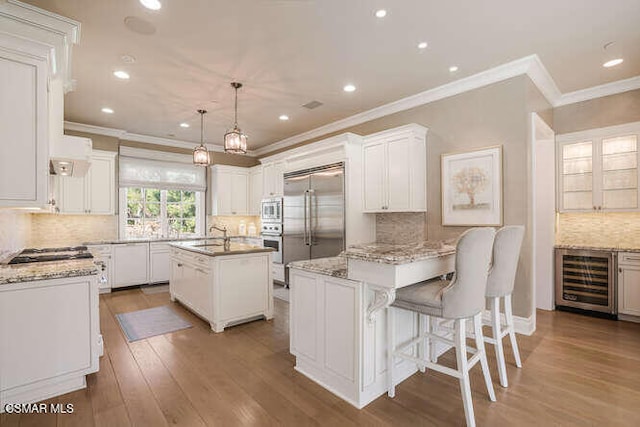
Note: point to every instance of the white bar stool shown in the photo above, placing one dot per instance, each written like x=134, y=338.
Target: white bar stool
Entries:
x=460, y=299
x=506, y=251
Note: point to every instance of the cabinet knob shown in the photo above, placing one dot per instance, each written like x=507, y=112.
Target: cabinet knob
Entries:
x=179, y=265
x=620, y=270
x=599, y=208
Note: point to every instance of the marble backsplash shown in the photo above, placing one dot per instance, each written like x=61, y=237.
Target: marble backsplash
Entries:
x=55, y=230
x=15, y=229
x=611, y=229
x=401, y=227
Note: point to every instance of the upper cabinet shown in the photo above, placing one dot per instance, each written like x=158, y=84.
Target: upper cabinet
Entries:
x=24, y=131
x=92, y=194
x=395, y=170
x=273, y=179
x=256, y=186
x=35, y=58
x=598, y=169
x=229, y=190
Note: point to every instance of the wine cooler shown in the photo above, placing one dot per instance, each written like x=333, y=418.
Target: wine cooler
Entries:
x=585, y=279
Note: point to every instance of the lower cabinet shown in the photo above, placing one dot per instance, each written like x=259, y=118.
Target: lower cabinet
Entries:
x=224, y=290
x=131, y=264
x=50, y=338
x=629, y=283
x=159, y=265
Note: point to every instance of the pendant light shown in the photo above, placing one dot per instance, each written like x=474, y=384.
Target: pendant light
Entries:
x=234, y=140
x=201, y=153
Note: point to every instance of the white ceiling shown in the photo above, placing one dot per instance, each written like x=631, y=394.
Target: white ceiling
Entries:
x=290, y=52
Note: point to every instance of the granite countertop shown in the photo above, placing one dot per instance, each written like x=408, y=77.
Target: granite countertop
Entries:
x=598, y=248
x=387, y=253
x=333, y=266
x=214, y=247
x=160, y=239
x=18, y=273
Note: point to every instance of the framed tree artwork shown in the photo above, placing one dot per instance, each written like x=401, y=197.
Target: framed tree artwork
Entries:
x=472, y=187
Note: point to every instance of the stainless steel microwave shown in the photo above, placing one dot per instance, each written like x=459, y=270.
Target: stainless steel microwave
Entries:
x=271, y=210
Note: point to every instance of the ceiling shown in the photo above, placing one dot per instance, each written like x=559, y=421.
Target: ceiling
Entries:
x=290, y=52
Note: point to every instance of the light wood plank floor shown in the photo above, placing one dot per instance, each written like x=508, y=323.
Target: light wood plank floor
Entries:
x=577, y=371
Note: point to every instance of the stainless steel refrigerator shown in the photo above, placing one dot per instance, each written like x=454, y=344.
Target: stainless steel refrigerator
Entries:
x=313, y=220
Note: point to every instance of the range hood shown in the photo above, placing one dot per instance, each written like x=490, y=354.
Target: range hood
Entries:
x=70, y=156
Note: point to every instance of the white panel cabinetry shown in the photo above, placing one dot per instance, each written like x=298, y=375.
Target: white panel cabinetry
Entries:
x=273, y=179
x=159, y=265
x=395, y=170
x=629, y=283
x=92, y=194
x=24, y=130
x=131, y=264
x=229, y=190
x=256, y=186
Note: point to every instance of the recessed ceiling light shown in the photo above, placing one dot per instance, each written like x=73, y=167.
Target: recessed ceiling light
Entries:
x=151, y=4
x=284, y=117
x=422, y=45
x=381, y=13
x=107, y=110
x=184, y=125
x=349, y=88
x=123, y=75
x=613, y=62
x=453, y=69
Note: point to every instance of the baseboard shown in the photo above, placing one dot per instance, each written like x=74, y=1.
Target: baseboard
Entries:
x=521, y=325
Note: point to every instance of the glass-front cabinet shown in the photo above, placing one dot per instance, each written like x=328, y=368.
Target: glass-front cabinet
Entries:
x=598, y=169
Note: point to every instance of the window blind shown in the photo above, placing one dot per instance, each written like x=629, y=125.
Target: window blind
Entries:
x=136, y=172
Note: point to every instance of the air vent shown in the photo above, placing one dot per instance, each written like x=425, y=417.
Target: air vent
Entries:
x=313, y=104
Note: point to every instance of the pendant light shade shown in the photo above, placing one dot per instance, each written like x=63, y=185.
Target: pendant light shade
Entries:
x=201, y=153
x=234, y=140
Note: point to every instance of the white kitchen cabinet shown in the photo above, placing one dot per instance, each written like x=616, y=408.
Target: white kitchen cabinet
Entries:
x=24, y=124
x=598, y=170
x=629, y=283
x=159, y=265
x=395, y=170
x=229, y=190
x=273, y=179
x=50, y=335
x=103, y=255
x=255, y=189
x=130, y=264
x=223, y=289
x=92, y=194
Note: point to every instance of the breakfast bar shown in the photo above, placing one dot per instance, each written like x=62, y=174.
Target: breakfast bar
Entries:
x=338, y=325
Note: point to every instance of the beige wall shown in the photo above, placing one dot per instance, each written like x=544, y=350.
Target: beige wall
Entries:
x=596, y=113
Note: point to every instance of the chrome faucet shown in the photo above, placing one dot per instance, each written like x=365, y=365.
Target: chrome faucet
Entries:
x=227, y=239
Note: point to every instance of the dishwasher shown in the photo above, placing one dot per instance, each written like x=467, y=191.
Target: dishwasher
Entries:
x=585, y=281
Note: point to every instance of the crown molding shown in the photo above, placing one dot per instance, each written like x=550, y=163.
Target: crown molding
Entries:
x=530, y=65
x=606, y=89
x=37, y=24
x=136, y=137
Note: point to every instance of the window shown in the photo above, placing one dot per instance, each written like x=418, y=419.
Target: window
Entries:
x=161, y=194
x=161, y=213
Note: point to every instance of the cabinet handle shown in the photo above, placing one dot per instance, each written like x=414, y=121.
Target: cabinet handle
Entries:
x=620, y=270
x=179, y=265
x=631, y=258
x=599, y=208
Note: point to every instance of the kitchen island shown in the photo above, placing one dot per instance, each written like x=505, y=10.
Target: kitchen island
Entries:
x=224, y=286
x=49, y=329
x=338, y=322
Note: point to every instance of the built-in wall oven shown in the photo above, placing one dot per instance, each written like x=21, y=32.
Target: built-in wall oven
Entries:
x=272, y=238
x=585, y=279
x=271, y=210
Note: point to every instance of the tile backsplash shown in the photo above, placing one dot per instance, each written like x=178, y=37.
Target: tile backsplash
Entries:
x=402, y=227
x=611, y=229
x=232, y=223
x=54, y=230
x=15, y=229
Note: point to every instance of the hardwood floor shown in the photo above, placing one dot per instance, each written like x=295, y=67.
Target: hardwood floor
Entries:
x=577, y=371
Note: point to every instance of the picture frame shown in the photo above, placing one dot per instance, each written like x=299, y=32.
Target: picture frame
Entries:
x=471, y=185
